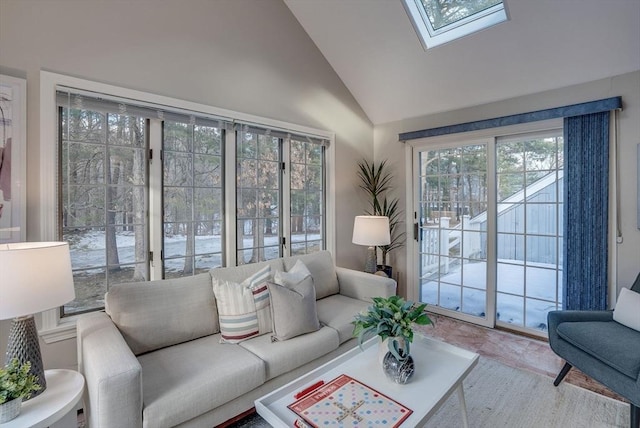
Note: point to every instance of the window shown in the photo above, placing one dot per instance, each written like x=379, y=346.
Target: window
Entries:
x=262, y=191
x=103, y=199
x=441, y=21
x=142, y=192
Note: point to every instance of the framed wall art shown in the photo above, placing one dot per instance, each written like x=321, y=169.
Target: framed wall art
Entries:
x=13, y=159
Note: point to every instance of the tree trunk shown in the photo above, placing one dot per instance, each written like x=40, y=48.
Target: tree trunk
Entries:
x=113, y=260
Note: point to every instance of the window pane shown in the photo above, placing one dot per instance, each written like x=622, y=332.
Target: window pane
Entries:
x=510, y=309
x=104, y=202
x=126, y=131
x=193, y=200
x=258, y=197
x=178, y=137
x=307, y=197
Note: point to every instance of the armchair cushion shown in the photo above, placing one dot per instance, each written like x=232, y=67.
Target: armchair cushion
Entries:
x=610, y=342
x=627, y=311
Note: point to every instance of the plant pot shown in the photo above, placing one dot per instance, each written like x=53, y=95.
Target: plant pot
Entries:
x=400, y=371
x=10, y=410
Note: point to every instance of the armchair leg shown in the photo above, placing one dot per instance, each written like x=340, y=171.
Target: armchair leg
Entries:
x=635, y=416
x=562, y=374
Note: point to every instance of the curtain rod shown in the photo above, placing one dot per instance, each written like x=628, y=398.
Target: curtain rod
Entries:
x=607, y=104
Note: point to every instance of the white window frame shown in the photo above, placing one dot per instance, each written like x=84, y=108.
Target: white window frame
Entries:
x=430, y=37
x=54, y=328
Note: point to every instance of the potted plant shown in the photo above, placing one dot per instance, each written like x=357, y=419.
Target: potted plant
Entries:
x=376, y=182
x=16, y=383
x=391, y=318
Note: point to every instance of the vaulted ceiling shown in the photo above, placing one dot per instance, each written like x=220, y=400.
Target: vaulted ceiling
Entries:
x=546, y=44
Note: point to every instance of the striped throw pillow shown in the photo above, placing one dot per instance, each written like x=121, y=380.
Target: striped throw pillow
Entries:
x=243, y=309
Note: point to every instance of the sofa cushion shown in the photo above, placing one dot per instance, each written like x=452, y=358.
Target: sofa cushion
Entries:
x=244, y=309
x=152, y=315
x=610, y=342
x=187, y=380
x=293, y=310
x=282, y=357
x=627, y=310
x=337, y=312
x=322, y=270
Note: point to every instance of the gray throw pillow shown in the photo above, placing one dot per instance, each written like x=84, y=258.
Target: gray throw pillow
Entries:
x=293, y=310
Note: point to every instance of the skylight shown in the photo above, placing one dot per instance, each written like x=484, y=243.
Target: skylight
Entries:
x=441, y=21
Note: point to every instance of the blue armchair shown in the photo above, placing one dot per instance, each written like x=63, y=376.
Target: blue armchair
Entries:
x=601, y=348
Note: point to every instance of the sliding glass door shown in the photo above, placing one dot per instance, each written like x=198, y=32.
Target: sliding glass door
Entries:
x=489, y=227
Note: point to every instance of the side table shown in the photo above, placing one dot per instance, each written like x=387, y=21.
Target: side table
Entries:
x=55, y=404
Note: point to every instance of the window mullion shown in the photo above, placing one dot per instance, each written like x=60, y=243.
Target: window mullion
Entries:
x=492, y=233
x=285, y=174
x=230, y=189
x=155, y=198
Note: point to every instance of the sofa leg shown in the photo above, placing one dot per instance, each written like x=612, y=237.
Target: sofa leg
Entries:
x=634, y=416
x=562, y=374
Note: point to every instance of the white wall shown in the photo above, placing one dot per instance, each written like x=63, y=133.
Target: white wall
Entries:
x=387, y=146
x=243, y=55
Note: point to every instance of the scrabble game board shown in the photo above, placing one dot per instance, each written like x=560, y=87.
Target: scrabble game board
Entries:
x=346, y=402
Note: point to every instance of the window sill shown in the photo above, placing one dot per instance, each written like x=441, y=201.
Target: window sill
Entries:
x=64, y=330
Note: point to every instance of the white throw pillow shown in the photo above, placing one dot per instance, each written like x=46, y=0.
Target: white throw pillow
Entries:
x=627, y=311
x=298, y=274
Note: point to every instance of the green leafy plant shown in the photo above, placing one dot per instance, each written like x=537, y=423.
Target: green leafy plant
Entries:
x=16, y=381
x=376, y=182
x=391, y=318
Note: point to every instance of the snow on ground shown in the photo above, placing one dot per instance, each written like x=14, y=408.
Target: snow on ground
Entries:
x=510, y=306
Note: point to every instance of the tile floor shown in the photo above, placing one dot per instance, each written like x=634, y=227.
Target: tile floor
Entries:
x=511, y=349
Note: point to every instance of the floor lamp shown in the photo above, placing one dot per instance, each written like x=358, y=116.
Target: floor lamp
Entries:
x=36, y=276
x=371, y=230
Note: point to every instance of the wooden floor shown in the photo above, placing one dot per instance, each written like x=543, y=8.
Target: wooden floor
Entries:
x=509, y=348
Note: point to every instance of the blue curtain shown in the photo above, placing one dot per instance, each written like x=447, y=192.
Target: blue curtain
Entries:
x=586, y=219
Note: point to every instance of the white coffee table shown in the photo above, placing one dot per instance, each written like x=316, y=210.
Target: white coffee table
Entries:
x=55, y=407
x=440, y=370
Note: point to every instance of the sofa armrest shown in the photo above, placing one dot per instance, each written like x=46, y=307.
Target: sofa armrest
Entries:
x=554, y=318
x=113, y=393
x=364, y=286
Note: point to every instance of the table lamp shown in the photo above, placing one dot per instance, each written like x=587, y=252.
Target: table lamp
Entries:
x=35, y=276
x=371, y=230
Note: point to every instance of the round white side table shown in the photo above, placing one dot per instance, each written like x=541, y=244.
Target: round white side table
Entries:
x=56, y=403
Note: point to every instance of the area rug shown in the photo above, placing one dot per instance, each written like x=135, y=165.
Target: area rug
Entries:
x=501, y=396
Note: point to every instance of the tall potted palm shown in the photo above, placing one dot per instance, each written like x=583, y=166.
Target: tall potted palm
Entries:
x=375, y=180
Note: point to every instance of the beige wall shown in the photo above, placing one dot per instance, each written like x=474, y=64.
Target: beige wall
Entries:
x=387, y=146
x=242, y=55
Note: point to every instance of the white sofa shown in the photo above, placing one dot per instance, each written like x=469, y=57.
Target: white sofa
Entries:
x=154, y=359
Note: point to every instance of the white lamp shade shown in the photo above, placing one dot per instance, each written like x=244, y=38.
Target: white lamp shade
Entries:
x=371, y=230
x=34, y=277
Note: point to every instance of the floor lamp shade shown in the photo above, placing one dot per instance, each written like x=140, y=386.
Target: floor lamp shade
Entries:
x=371, y=230
x=36, y=276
